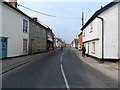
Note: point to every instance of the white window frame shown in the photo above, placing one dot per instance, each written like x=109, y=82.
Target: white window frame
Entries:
x=83, y=33
x=25, y=25
x=93, y=47
x=91, y=27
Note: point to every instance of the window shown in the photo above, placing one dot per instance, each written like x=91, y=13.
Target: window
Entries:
x=24, y=45
x=25, y=25
x=91, y=27
x=83, y=33
x=93, y=46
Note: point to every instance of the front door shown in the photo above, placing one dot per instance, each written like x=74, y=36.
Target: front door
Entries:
x=4, y=47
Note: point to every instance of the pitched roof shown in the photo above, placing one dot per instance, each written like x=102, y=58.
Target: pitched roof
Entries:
x=80, y=33
x=98, y=13
x=31, y=19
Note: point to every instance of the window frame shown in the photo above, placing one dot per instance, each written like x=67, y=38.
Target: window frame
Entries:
x=83, y=35
x=93, y=47
x=91, y=27
x=25, y=26
x=25, y=45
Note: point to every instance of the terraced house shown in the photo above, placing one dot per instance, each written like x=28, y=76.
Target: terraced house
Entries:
x=101, y=33
x=15, y=31
x=20, y=34
x=37, y=36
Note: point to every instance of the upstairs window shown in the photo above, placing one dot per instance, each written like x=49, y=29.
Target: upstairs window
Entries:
x=83, y=33
x=91, y=27
x=25, y=25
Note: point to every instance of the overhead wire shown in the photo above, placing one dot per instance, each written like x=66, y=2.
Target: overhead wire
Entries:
x=47, y=14
x=36, y=11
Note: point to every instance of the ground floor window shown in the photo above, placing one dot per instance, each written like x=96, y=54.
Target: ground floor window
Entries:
x=93, y=44
x=24, y=45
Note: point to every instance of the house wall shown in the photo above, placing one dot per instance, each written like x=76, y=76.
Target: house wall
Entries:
x=119, y=31
x=59, y=44
x=111, y=50
x=50, y=41
x=0, y=19
x=13, y=29
x=90, y=50
x=37, y=38
x=80, y=42
x=0, y=30
x=93, y=35
x=110, y=32
x=32, y=38
x=43, y=39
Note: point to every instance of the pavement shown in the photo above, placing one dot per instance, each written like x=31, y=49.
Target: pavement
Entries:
x=111, y=69
x=12, y=63
x=58, y=69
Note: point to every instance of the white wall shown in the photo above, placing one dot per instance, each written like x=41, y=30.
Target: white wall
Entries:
x=59, y=44
x=91, y=35
x=111, y=32
x=94, y=36
x=119, y=32
x=0, y=19
x=13, y=29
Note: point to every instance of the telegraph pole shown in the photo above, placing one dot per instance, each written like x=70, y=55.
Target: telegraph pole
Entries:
x=82, y=19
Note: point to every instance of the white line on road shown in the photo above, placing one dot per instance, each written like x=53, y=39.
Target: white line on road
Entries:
x=65, y=79
x=62, y=54
x=61, y=59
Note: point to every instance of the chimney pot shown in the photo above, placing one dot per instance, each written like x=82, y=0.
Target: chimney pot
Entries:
x=13, y=2
x=35, y=18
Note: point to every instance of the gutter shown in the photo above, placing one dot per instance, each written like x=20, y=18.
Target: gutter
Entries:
x=102, y=36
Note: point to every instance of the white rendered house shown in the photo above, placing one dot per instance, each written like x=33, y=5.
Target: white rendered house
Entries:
x=101, y=33
x=14, y=35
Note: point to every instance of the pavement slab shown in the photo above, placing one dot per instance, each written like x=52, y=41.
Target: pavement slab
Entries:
x=108, y=68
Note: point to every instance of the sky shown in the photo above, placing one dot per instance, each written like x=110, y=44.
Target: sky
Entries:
x=67, y=23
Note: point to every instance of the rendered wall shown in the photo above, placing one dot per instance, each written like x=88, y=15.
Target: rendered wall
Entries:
x=13, y=30
x=111, y=32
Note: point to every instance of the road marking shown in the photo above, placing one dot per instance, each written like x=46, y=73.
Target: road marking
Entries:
x=65, y=79
x=62, y=54
x=61, y=59
x=81, y=87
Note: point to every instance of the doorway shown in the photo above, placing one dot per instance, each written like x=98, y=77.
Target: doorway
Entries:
x=3, y=47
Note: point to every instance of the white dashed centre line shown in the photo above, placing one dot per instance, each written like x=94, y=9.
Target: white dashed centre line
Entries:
x=65, y=79
x=63, y=73
x=61, y=59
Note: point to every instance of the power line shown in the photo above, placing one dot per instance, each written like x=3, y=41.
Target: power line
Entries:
x=61, y=9
x=47, y=14
x=36, y=11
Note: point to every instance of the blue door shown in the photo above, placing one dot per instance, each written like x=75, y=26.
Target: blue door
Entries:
x=4, y=47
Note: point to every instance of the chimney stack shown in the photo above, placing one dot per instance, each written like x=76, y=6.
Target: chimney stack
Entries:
x=35, y=18
x=13, y=2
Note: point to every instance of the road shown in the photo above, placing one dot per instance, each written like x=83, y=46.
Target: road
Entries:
x=60, y=69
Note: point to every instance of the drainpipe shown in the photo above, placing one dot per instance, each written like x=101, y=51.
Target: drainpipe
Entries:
x=46, y=40
x=102, y=36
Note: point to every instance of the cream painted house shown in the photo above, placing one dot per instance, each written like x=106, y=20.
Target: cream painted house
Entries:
x=101, y=33
x=14, y=35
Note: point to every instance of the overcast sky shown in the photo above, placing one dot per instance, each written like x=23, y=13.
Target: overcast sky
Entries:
x=67, y=27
